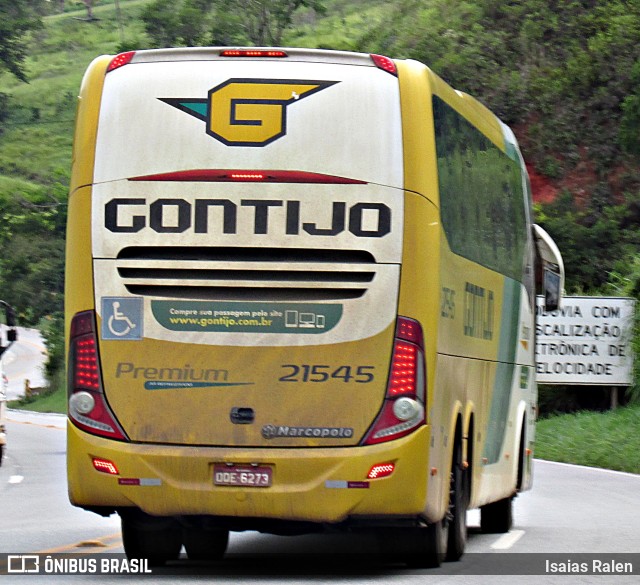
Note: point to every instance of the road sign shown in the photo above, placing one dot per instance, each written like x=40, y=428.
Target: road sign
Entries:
x=587, y=341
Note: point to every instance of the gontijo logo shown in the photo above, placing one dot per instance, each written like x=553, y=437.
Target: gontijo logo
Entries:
x=248, y=112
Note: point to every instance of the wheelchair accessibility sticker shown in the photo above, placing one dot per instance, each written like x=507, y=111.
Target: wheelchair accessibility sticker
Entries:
x=122, y=318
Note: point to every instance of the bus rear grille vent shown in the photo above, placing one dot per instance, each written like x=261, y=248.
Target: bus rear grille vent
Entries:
x=247, y=274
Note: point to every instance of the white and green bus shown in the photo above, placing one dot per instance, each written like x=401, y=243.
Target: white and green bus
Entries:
x=300, y=294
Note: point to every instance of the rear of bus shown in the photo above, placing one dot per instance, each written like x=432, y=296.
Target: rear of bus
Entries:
x=234, y=263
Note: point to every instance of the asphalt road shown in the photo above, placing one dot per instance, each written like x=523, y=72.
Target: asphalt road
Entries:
x=572, y=510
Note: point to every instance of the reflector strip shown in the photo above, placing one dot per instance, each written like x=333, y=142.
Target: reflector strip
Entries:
x=346, y=485
x=143, y=481
x=248, y=176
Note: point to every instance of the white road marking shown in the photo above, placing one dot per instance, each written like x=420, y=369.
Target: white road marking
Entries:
x=16, y=479
x=587, y=468
x=508, y=540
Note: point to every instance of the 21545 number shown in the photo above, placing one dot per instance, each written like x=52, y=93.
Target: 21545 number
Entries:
x=322, y=373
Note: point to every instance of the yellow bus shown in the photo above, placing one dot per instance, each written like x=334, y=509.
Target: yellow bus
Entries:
x=300, y=295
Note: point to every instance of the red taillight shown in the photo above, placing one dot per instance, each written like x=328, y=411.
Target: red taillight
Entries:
x=404, y=407
x=88, y=409
x=269, y=53
x=86, y=371
x=105, y=466
x=403, y=369
x=120, y=60
x=381, y=470
x=385, y=64
x=410, y=330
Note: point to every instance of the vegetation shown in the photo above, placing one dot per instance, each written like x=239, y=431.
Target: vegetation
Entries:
x=18, y=18
x=592, y=438
x=564, y=74
x=222, y=22
x=55, y=401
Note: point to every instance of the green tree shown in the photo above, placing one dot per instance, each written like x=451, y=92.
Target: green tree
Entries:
x=219, y=22
x=32, y=259
x=32, y=263
x=596, y=241
x=560, y=70
x=170, y=23
x=265, y=21
x=16, y=20
x=624, y=281
x=630, y=123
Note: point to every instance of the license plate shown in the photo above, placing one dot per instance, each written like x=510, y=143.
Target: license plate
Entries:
x=242, y=476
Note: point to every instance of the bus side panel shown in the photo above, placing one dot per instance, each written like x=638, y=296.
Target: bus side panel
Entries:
x=420, y=284
x=484, y=359
x=485, y=340
x=86, y=129
x=79, y=292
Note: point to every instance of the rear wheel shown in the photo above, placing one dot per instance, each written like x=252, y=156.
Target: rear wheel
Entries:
x=497, y=517
x=419, y=547
x=457, y=514
x=205, y=545
x=150, y=537
x=429, y=546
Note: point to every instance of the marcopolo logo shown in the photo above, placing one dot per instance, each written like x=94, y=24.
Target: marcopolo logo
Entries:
x=248, y=112
x=287, y=432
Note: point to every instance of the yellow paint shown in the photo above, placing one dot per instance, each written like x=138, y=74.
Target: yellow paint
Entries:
x=253, y=113
x=299, y=491
x=128, y=365
x=79, y=267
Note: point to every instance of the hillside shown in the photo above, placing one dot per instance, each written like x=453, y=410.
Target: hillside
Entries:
x=565, y=76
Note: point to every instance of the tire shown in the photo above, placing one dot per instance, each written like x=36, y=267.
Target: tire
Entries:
x=457, y=514
x=418, y=547
x=429, y=546
x=521, y=459
x=497, y=518
x=205, y=545
x=150, y=537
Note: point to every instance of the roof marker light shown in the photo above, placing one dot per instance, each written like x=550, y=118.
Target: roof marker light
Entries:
x=120, y=60
x=385, y=63
x=270, y=53
x=247, y=177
